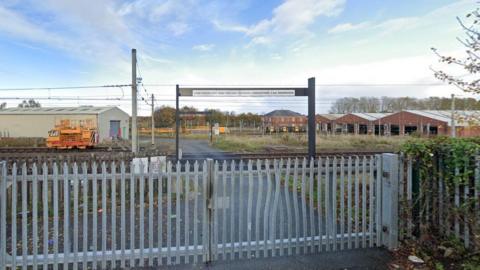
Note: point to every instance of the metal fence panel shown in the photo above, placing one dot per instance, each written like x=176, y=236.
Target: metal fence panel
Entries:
x=206, y=210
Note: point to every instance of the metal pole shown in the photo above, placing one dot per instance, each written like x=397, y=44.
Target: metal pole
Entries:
x=177, y=122
x=134, y=102
x=210, y=209
x=153, y=120
x=311, y=118
x=454, y=132
x=211, y=132
x=3, y=215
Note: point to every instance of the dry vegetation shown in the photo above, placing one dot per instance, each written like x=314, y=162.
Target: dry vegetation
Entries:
x=22, y=142
x=257, y=143
x=295, y=142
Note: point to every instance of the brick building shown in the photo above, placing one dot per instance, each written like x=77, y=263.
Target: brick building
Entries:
x=430, y=122
x=361, y=123
x=284, y=121
x=326, y=123
x=422, y=122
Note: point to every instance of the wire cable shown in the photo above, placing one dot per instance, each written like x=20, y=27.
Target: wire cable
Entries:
x=65, y=87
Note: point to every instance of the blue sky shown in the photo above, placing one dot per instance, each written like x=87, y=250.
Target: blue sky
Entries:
x=197, y=42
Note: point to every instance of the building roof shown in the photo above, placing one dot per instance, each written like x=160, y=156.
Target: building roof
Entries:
x=283, y=113
x=462, y=118
x=331, y=116
x=371, y=116
x=57, y=110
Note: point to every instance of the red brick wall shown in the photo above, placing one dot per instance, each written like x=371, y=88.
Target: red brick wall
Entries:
x=410, y=119
x=403, y=119
x=352, y=119
x=285, y=121
x=320, y=119
x=467, y=131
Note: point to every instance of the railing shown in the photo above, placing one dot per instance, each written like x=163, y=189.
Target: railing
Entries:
x=117, y=215
x=443, y=200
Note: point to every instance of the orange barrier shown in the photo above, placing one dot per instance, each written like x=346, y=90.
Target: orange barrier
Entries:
x=205, y=129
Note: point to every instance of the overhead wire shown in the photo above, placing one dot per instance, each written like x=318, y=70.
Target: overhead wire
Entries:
x=224, y=85
x=301, y=85
x=65, y=87
x=249, y=104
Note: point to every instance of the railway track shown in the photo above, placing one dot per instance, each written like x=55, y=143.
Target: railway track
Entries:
x=11, y=150
x=43, y=154
x=271, y=155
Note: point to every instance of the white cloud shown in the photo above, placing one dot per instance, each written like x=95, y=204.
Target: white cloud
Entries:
x=79, y=28
x=147, y=57
x=19, y=26
x=346, y=27
x=295, y=16
x=387, y=26
x=399, y=24
x=292, y=17
x=261, y=40
x=277, y=57
x=291, y=64
x=203, y=47
x=229, y=27
x=100, y=18
x=178, y=28
x=174, y=16
x=404, y=23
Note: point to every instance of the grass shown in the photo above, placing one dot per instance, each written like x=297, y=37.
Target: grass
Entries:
x=297, y=142
x=259, y=143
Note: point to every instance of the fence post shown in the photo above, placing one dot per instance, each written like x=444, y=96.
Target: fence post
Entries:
x=390, y=200
x=3, y=215
x=209, y=192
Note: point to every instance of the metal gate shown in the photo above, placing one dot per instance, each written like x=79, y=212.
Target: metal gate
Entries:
x=118, y=215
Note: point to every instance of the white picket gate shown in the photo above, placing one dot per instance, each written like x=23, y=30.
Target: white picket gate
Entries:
x=112, y=215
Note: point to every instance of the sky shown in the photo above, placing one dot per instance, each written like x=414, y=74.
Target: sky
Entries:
x=352, y=48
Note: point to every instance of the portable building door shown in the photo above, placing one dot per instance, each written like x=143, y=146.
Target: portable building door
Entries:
x=115, y=131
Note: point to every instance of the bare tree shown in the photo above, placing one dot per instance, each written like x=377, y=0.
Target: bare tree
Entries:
x=3, y=105
x=470, y=61
x=395, y=104
x=31, y=103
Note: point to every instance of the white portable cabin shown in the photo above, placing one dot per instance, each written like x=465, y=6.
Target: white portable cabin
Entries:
x=111, y=122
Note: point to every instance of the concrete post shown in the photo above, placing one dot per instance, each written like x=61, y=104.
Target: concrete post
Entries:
x=390, y=180
x=153, y=119
x=453, y=129
x=134, y=102
x=177, y=122
x=3, y=215
x=311, y=118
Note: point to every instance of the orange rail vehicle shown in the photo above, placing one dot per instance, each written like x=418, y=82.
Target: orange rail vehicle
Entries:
x=68, y=136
